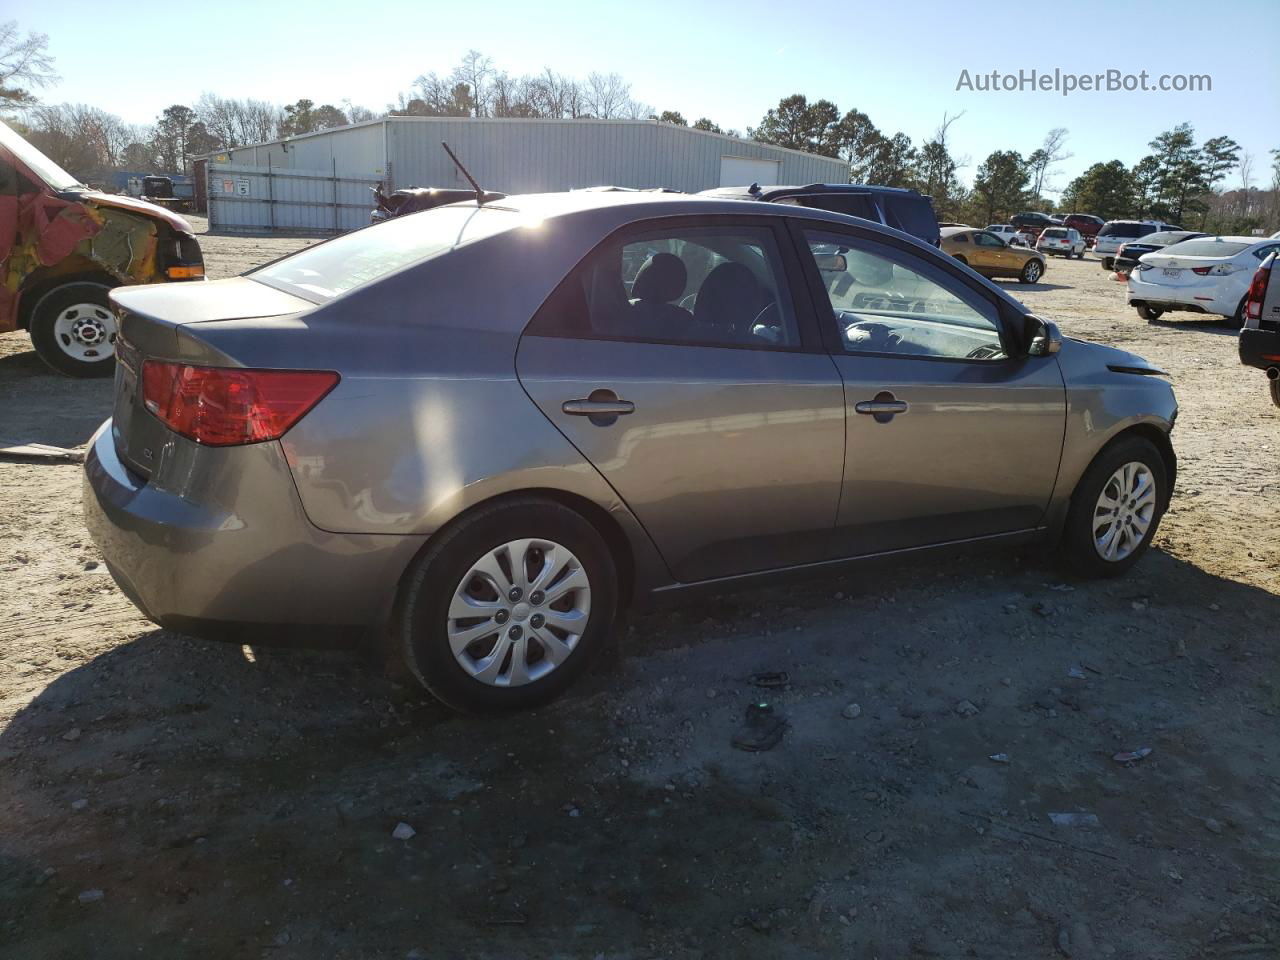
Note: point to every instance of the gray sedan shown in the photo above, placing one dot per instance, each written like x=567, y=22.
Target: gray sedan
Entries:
x=480, y=431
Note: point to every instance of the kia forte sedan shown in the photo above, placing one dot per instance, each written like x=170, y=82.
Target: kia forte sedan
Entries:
x=480, y=431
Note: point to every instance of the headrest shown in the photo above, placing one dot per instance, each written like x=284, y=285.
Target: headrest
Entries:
x=663, y=278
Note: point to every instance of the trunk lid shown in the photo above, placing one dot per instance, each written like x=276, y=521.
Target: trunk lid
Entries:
x=153, y=322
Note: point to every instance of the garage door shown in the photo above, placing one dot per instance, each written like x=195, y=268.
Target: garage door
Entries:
x=741, y=171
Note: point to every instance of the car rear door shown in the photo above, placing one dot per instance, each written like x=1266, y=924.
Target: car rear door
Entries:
x=952, y=433
x=675, y=359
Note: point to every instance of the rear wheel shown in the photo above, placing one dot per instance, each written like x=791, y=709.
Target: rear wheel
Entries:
x=962, y=259
x=1108, y=263
x=1236, y=320
x=73, y=329
x=1148, y=314
x=1116, y=509
x=1032, y=271
x=1274, y=387
x=508, y=607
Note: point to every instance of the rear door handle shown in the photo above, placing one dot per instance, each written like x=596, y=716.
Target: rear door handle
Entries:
x=597, y=408
x=873, y=407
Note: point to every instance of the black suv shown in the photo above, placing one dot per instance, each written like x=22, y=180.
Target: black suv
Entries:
x=904, y=210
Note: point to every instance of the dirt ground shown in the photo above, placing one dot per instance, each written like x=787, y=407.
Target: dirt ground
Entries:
x=162, y=796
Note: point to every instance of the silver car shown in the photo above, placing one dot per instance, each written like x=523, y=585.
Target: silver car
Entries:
x=481, y=431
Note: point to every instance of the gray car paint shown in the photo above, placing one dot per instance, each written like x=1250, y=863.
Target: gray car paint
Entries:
x=431, y=419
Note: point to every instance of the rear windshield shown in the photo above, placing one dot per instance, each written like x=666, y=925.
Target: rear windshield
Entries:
x=1207, y=248
x=1054, y=232
x=1166, y=237
x=1127, y=230
x=330, y=269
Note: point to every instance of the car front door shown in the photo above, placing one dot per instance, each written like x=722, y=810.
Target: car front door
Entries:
x=952, y=432
x=676, y=361
x=994, y=252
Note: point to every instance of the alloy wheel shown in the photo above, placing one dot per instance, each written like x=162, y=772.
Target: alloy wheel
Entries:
x=1124, y=511
x=519, y=612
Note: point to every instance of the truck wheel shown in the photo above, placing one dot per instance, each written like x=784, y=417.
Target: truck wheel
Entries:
x=74, y=330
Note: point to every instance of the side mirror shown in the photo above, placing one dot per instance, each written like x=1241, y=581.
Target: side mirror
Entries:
x=1045, y=339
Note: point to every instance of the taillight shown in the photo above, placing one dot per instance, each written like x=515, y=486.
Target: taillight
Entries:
x=228, y=406
x=1217, y=270
x=1257, y=293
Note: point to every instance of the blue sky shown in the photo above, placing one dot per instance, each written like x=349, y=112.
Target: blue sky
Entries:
x=728, y=61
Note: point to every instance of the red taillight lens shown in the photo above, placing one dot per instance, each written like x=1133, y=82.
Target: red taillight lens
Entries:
x=1201, y=271
x=1257, y=293
x=227, y=406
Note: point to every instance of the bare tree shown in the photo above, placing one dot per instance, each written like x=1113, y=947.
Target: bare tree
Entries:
x=607, y=96
x=475, y=71
x=23, y=61
x=1040, y=163
x=87, y=141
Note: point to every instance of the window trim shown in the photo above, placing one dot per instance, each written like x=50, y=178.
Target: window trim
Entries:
x=819, y=297
x=793, y=276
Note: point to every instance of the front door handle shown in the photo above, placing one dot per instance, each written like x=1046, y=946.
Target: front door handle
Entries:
x=889, y=407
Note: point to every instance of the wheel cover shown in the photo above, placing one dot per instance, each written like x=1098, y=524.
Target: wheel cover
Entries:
x=1124, y=511
x=86, y=332
x=519, y=612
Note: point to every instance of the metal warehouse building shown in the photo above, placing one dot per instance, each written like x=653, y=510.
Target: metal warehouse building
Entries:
x=510, y=155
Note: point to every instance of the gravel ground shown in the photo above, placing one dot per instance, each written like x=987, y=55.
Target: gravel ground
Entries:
x=165, y=796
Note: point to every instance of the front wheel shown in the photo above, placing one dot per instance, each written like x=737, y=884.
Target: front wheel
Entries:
x=506, y=609
x=73, y=329
x=1116, y=509
x=1032, y=271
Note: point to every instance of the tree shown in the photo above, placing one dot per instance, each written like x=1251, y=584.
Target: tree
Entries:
x=1000, y=185
x=891, y=162
x=858, y=139
x=1180, y=172
x=169, y=140
x=1104, y=190
x=672, y=116
x=800, y=125
x=1219, y=156
x=936, y=169
x=1040, y=162
x=474, y=73
x=702, y=123
x=24, y=62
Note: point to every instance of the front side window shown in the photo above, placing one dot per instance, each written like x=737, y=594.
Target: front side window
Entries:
x=887, y=301
x=712, y=286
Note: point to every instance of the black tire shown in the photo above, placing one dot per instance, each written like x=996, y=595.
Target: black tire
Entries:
x=1108, y=263
x=1077, y=548
x=1028, y=269
x=962, y=259
x=1236, y=320
x=421, y=619
x=1273, y=387
x=1149, y=315
x=52, y=345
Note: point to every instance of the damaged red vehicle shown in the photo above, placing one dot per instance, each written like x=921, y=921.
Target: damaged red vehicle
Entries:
x=63, y=247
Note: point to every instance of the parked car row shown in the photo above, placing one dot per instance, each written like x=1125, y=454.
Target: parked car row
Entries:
x=1114, y=233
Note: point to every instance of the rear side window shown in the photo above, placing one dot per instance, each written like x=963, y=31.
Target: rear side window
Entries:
x=330, y=269
x=707, y=286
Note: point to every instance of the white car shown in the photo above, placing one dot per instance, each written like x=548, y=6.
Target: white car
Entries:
x=1204, y=275
x=1062, y=240
x=1006, y=232
x=1117, y=232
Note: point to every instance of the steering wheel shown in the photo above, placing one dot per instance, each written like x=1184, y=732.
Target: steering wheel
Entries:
x=985, y=352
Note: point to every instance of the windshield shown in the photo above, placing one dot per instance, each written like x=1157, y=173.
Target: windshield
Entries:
x=329, y=269
x=1127, y=230
x=53, y=175
x=1206, y=248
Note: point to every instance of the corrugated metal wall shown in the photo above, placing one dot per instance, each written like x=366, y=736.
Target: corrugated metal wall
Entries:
x=523, y=156
x=245, y=199
x=529, y=156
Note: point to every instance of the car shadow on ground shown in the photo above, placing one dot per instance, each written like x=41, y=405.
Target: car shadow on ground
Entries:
x=223, y=800
x=1012, y=287
x=1215, y=325
x=40, y=406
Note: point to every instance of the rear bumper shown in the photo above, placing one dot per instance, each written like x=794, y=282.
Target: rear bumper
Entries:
x=230, y=553
x=1260, y=348
x=1198, y=298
